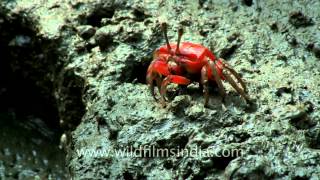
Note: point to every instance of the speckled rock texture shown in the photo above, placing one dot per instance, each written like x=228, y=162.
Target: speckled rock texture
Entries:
x=109, y=45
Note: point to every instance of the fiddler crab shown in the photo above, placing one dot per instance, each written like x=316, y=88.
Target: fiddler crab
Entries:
x=184, y=62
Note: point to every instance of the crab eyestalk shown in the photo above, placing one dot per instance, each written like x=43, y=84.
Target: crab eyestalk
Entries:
x=164, y=30
x=180, y=33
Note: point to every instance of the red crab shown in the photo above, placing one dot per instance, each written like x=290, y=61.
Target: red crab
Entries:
x=182, y=63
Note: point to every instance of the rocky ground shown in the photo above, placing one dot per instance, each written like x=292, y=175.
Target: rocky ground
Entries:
x=90, y=59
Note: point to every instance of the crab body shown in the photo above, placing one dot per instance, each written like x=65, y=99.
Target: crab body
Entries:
x=191, y=57
x=182, y=63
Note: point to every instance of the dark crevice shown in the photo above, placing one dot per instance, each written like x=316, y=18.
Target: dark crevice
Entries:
x=283, y=90
x=222, y=162
x=247, y=2
x=140, y=15
x=181, y=141
x=302, y=122
x=127, y=176
x=133, y=38
x=95, y=18
x=136, y=73
x=177, y=142
x=32, y=79
x=22, y=78
x=71, y=108
x=227, y=52
x=29, y=112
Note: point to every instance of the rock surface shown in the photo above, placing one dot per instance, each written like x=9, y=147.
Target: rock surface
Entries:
x=106, y=47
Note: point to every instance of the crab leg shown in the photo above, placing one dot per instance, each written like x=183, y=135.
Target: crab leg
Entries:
x=171, y=79
x=229, y=73
x=151, y=76
x=204, y=82
x=159, y=81
x=234, y=73
x=217, y=78
x=226, y=72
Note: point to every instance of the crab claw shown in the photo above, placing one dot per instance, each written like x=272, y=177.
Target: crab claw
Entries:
x=156, y=69
x=172, y=79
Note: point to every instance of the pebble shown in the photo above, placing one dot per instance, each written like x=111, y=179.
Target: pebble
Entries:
x=86, y=31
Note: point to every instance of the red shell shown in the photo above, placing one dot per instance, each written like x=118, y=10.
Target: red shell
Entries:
x=192, y=54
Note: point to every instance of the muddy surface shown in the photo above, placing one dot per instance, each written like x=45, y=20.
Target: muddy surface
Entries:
x=105, y=48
